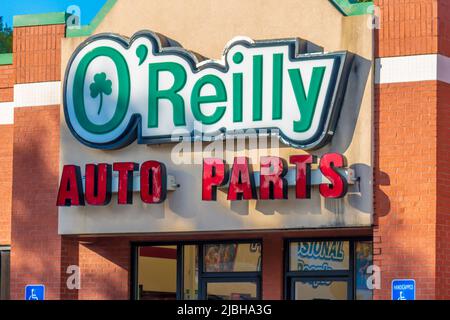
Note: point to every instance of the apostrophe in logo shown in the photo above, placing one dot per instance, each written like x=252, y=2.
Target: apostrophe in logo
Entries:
x=117, y=90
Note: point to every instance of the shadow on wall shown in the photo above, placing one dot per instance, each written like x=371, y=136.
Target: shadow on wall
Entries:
x=37, y=249
x=38, y=254
x=33, y=210
x=351, y=105
x=105, y=268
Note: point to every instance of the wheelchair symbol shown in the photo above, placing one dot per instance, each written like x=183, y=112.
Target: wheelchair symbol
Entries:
x=401, y=297
x=35, y=292
x=33, y=296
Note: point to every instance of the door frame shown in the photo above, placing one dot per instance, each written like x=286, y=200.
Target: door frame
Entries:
x=349, y=281
x=349, y=274
x=203, y=277
x=203, y=283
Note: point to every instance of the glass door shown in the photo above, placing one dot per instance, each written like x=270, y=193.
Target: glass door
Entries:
x=228, y=270
x=332, y=269
x=157, y=272
x=320, y=289
x=231, y=289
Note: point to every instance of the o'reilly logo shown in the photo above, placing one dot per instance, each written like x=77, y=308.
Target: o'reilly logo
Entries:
x=117, y=90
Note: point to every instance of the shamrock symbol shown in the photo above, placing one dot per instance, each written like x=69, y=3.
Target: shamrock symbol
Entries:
x=100, y=86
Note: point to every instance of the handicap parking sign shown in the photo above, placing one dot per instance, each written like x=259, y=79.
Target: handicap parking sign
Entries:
x=403, y=289
x=35, y=292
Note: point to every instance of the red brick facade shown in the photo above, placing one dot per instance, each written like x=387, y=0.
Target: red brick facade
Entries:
x=35, y=243
x=36, y=247
x=105, y=265
x=411, y=124
x=37, y=53
x=443, y=192
x=6, y=157
x=7, y=77
x=408, y=27
x=405, y=197
x=444, y=27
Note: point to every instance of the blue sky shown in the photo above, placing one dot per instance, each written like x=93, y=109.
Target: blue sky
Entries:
x=10, y=8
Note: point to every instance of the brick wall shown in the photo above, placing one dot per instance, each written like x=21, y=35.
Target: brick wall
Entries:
x=6, y=156
x=6, y=83
x=7, y=78
x=36, y=246
x=38, y=253
x=69, y=257
x=37, y=53
x=444, y=27
x=411, y=154
x=443, y=189
x=405, y=191
x=273, y=267
x=408, y=27
x=105, y=266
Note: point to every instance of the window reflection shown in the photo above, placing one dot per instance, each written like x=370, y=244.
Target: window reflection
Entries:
x=321, y=290
x=232, y=257
x=190, y=272
x=319, y=255
x=231, y=291
x=363, y=253
x=157, y=272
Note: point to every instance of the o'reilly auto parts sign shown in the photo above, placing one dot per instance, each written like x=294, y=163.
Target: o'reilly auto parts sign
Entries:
x=117, y=90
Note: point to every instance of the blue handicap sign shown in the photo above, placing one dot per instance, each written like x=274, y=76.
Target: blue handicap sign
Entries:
x=404, y=289
x=35, y=292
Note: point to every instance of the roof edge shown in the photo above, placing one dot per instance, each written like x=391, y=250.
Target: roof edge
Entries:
x=89, y=29
x=347, y=8
x=6, y=58
x=40, y=19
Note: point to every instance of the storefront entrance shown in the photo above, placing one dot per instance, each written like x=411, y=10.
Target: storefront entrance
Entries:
x=191, y=271
x=334, y=269
x=328, y=270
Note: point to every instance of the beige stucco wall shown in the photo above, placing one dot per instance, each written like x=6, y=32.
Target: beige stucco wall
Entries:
x=205, y=26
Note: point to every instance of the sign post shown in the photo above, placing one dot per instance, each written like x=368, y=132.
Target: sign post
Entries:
x=35, y=292
x=404, y=289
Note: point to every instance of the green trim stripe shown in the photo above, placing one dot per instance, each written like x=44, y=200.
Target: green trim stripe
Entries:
x=39, y=19
x=87, y=30
x=352, y=7
x=6, y=58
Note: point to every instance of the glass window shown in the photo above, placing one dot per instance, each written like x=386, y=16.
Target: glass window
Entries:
x=232, y=257
x=227, y=271
x=321, y=289
x=231, y=291
x=319, y=255
x=157, y=272
x=363, y=253
x=329, y=269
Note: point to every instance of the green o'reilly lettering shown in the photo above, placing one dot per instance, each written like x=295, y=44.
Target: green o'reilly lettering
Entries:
x=154, y=94
x=255, y=85
x=197, y=99
x=123, y=98
x=306, y=104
